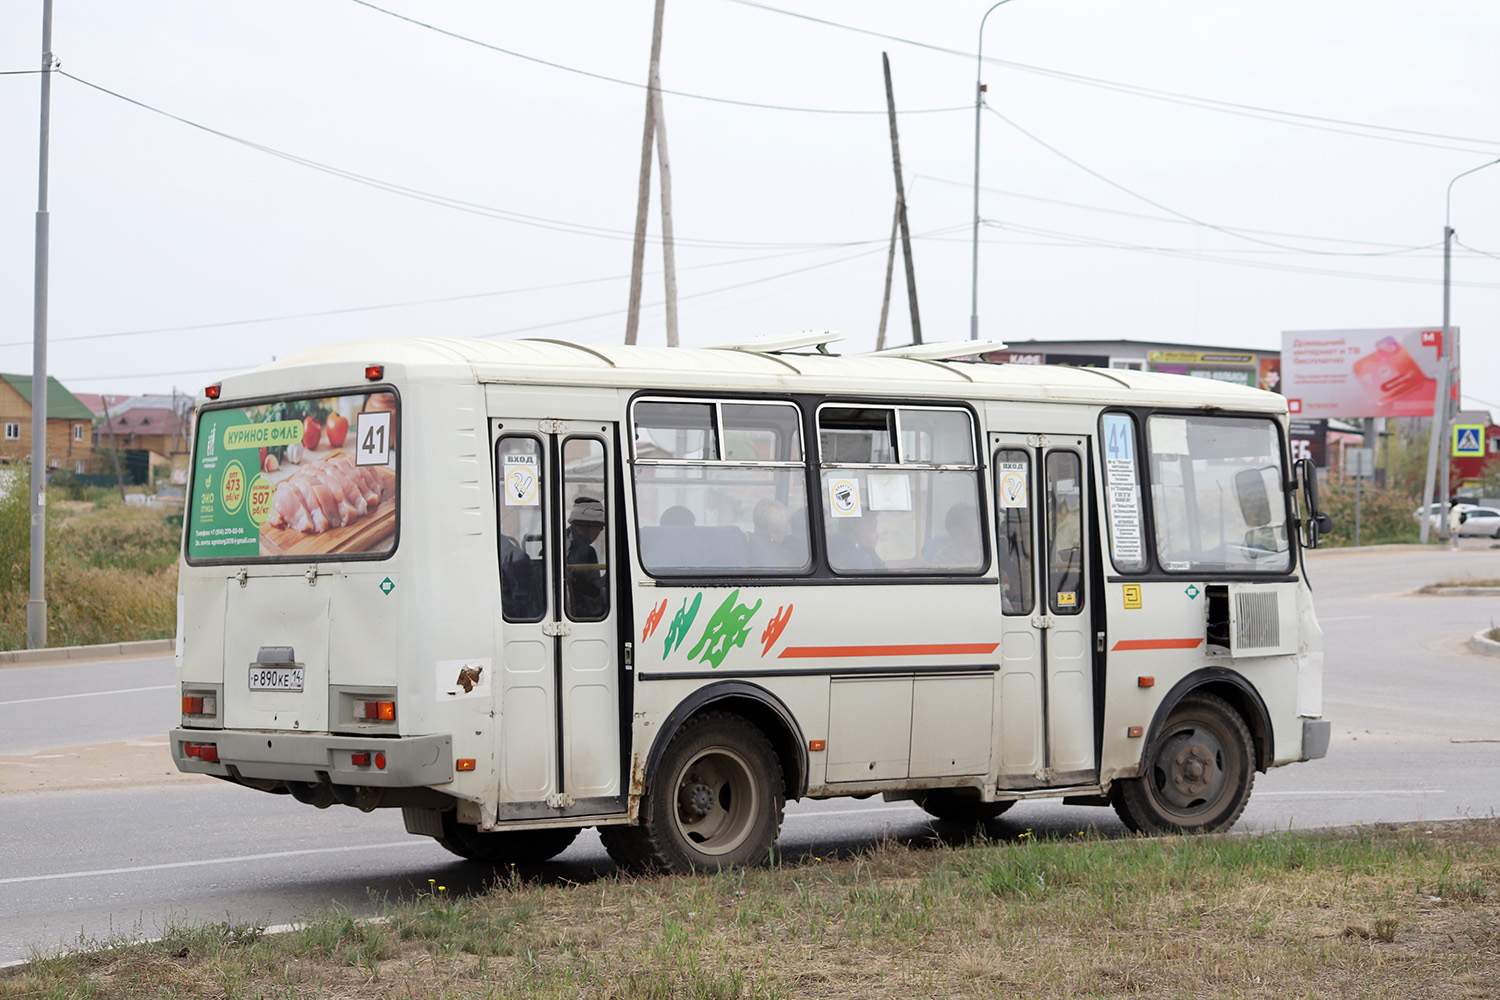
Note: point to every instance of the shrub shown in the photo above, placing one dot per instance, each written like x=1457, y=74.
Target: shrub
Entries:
x=1385, y=515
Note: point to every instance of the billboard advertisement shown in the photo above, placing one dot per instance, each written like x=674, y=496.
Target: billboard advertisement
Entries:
x=298, y=478
x=1361, y=373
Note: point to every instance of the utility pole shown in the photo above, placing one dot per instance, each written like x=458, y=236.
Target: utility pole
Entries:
x=36, y=606
x=643, y=191
x=668, y=250
x=890, y=267
x=114, y=449
x=911, y=274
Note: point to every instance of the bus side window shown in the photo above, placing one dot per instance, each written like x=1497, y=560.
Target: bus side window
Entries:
x=1064, y=532
x=1013, y=514
x=523, y=570
x=586, y=533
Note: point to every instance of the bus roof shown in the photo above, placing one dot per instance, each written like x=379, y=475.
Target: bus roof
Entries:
x=541, y=362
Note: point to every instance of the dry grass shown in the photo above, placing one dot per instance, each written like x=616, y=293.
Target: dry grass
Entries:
x=1409, y=912
x=111, y=571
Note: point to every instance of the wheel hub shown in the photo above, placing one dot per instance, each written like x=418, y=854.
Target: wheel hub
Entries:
x=695, y=800
x=1192, y=770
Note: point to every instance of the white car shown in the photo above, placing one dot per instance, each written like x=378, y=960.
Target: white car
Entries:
x=1483, y=522
x=1439, y=510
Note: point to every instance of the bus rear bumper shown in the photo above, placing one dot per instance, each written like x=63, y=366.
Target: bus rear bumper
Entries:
x=1315, y=733
x=388, y=762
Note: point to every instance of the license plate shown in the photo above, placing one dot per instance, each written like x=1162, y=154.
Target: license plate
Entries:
x=276, y=678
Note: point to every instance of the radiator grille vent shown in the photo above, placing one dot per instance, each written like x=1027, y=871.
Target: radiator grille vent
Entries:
x=1257, y=620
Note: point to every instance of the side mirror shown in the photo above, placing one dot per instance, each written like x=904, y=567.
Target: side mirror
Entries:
x=1315, y=523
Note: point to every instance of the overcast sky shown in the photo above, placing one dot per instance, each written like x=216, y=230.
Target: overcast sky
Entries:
x=1311, y=145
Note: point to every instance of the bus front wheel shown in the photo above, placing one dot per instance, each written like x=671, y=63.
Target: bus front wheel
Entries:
x=1196, y=774
x=506, y=847
x=715, y=801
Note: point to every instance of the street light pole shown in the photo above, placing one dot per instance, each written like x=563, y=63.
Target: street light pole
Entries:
x=1437, y=443
x=978, y=107
x=36, y=606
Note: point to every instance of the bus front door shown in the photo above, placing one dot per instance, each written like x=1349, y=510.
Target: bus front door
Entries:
x=1046, y=673
x=560, y=741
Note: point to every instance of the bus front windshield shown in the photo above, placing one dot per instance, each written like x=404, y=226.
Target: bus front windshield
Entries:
x=1216, y=490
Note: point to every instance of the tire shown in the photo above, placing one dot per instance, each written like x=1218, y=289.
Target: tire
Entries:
x=1196, y=774
x=715, y=801
x=950, y=806
x=507, y=847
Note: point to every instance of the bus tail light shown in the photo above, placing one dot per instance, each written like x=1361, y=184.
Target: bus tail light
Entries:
x=206, y=752
x=212, y=391
x=200, y=704
x=360, y=758
x=374, y=373
x=375, y=711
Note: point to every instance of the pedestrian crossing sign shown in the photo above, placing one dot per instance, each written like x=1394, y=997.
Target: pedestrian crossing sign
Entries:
x=1468, y=440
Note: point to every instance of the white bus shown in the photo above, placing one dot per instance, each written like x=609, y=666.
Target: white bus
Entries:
x=520, y=588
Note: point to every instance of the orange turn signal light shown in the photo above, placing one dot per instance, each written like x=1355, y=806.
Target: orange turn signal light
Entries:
x=816, y=745
x=374, y=372
x=1145, y=682
x=212, y=391
x=1134, y=732
x=464, y=764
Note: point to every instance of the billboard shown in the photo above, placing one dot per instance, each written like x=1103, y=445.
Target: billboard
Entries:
x=1361, y=373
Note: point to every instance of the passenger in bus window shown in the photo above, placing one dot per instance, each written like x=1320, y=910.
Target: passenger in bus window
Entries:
x=770, y=542
x=522, y=596
x=588, y=597
x=852, y=545
x=678, y=516
x=960, y=548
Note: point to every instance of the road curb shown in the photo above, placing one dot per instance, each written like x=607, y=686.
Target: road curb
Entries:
x=107, y=651
x=1481, y=642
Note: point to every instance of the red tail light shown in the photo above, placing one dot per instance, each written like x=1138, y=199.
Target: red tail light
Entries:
x=206, y=752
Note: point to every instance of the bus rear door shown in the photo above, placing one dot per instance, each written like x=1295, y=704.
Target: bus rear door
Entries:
x=560, y=730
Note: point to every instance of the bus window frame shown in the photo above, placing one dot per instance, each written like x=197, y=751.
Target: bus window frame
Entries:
x=1153, y=569
x=751, y=574
x=978, y=467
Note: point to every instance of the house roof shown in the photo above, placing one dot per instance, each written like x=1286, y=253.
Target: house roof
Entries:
x=96, y=402
x=144, y=420
x=61, y=404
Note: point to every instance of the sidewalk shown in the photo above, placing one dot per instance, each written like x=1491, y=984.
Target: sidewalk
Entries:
x=107, y=651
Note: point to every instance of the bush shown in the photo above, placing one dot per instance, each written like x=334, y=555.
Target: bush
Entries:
x=111, y=572
x=1385, y=515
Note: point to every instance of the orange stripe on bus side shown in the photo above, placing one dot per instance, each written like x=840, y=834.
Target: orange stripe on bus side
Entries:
x=934, y=649
x=1128, y=644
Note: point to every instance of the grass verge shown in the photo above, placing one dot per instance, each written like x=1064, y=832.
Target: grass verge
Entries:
x=1377, y=912
x=111, y=570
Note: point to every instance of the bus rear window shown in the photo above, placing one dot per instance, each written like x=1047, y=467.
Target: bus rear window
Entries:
x=304, y=478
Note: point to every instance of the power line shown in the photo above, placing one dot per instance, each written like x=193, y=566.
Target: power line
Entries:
x=1204, y=103
x=1099, y=243
x=968, y=186
x=1182, y=215
x=444, y=201
x=411, y=302
x=631, y=83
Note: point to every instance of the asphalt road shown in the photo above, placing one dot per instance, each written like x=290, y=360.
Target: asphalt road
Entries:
x=1414, y=739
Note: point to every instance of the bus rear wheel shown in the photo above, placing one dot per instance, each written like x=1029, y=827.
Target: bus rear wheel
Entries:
x=715, y=801
x=505, y=847
x=952, y=806
x=1196, y=775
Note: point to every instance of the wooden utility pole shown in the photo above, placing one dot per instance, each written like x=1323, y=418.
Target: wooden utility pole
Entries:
x=668, y=251
x=890, y=268
x=911, y=274
x=643, y=192
x=114, y=449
